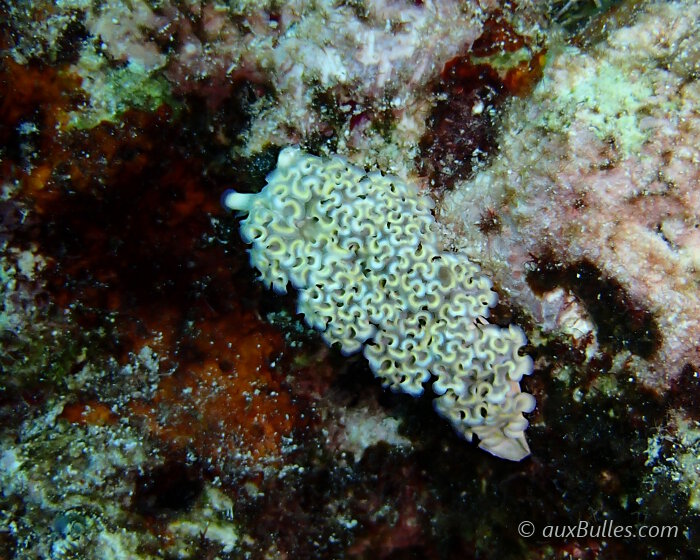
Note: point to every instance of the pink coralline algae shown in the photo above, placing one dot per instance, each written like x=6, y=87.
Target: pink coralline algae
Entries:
x=370, y=54
x=599, y=173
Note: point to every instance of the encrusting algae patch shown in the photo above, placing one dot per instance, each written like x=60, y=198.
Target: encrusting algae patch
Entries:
x=226, y=403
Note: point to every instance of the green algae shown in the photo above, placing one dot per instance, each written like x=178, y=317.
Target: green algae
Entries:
x=114, y=89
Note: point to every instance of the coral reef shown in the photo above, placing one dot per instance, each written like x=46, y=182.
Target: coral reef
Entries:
x=158, y=402
x=39, y=473
x=598, y=172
